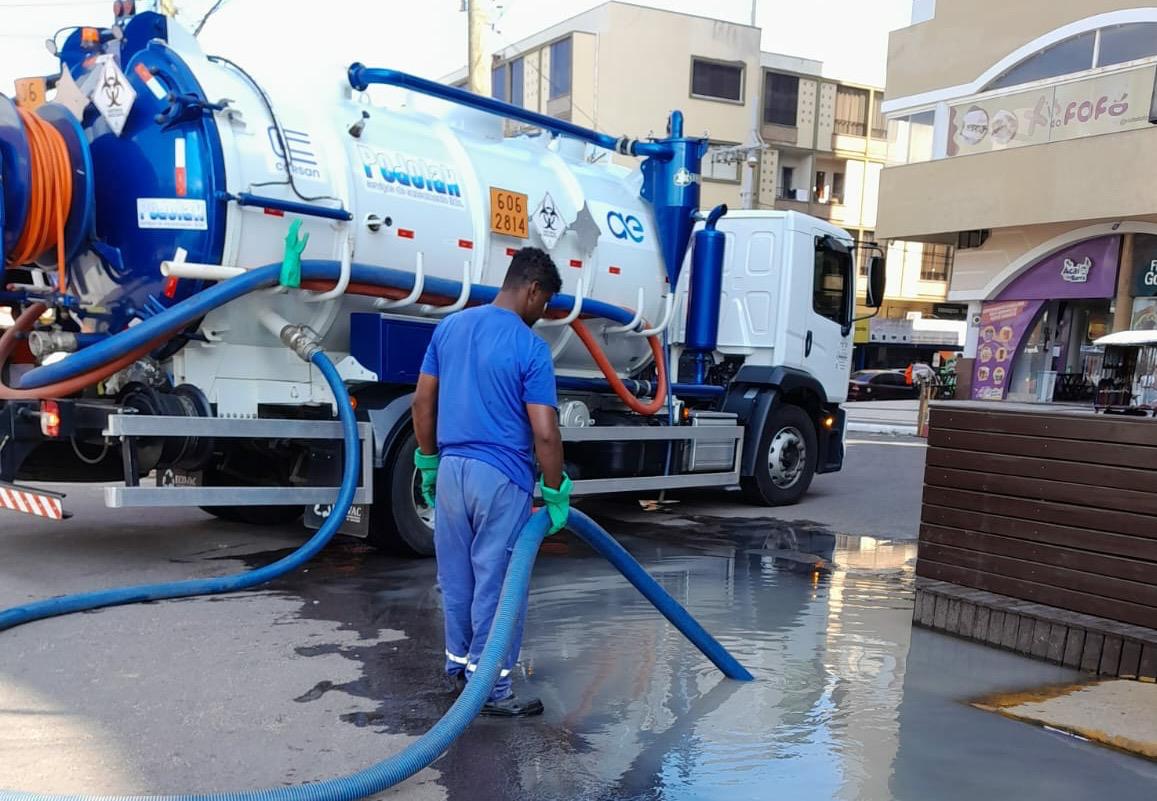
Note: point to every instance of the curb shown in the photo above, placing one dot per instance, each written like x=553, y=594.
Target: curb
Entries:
x=890, y=429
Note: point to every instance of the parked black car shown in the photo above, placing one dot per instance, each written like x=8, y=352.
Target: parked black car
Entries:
x=880, y=385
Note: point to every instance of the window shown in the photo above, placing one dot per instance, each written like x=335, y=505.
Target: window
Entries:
x=879, y=121
x=560, y=68
x=515, y=68
x=935, y=260
x=780, y=98
x=851, y=111
x=863, y=254
x=720, y=165
x=786, y=181
x=833, y=272
x=1122, y=43
x=837, y=187
x=1071, y=55
x=820, y=190
x=498, y=83
x=712, y=79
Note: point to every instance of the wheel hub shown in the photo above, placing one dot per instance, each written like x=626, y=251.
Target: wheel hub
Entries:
x=786, y=457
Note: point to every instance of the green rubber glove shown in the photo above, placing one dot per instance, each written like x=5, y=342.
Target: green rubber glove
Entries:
x=291, y=261
x=427, y=465
x=557, y=502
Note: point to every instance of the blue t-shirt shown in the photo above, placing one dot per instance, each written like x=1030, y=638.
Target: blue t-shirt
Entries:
x=489, y=365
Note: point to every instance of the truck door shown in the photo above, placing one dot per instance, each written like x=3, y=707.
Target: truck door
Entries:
x=827, y=348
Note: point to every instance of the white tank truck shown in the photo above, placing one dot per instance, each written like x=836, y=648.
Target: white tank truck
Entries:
x=184, y=176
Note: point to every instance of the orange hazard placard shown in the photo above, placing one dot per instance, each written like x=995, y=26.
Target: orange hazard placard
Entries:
x=30, y=92
x=508, y=213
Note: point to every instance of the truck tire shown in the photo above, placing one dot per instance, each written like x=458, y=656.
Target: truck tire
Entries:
x=785, y=459
x=400, y=522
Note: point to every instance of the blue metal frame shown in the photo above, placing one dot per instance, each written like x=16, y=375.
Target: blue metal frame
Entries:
x=16, y=176
x=291, y=206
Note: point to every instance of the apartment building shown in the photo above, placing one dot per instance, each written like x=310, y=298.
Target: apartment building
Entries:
x=806, y=142
x=1019, y=134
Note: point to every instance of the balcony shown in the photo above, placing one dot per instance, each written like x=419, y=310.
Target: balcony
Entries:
x=1034, y=185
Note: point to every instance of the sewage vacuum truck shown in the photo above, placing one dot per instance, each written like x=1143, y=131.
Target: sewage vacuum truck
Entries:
x=169, y=227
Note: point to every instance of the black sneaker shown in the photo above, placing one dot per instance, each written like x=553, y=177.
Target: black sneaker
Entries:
x=457, y=682
x=512, y=707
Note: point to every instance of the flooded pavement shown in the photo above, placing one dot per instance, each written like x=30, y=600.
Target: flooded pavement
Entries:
x=849, y=702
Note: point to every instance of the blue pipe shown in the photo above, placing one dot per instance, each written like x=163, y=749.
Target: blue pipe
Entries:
x=200, y=304
x=291, y=206
x=54, y=607
x=361, y=77
x=642, y=389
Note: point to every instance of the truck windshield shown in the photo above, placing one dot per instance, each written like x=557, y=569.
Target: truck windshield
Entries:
x=833, y=279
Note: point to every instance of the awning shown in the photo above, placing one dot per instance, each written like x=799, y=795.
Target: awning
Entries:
x=1128, y=338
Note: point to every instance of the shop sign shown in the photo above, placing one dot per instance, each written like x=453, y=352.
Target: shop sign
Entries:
x=1082, y=271
x=949, y=311
x=1144, y=265
x=1103, y=104
x=1003, y=326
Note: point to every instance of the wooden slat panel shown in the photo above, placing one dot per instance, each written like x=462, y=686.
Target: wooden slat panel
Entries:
x=1133, y=592
x=1105, y=498
x=1064, y=598
x=1099, y=453
x=1083, y=561
x=1009, y=463
x=1048, y=533
x=1099, y=428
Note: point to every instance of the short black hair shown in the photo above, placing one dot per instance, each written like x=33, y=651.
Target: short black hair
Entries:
x=530, y=265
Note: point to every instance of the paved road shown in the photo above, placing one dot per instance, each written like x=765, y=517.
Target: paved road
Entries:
x=330, y=669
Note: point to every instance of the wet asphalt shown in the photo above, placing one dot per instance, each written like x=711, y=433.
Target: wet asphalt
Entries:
x=330, y=669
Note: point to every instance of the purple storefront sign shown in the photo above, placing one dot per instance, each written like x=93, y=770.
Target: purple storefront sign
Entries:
x=1082, y=271
x=1003, y=326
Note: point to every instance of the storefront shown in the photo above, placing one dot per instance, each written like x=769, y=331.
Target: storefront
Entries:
x=1036, y=336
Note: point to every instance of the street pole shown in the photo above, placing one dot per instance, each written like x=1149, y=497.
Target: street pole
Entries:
x=752, y=158
x=478, y=59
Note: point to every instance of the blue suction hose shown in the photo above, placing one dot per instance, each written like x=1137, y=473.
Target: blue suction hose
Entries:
x=515, y=587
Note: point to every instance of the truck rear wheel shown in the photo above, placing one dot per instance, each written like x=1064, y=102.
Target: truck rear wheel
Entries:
x=785, y=460
x=400, y=521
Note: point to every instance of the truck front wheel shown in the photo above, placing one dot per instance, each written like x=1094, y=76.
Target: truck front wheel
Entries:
x=400, y=521
x=785, y=460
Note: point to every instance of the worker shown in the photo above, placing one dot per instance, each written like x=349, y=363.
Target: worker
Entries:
x=484, y=408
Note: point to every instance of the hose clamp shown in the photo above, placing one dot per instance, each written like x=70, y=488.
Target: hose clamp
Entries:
x=302, y=340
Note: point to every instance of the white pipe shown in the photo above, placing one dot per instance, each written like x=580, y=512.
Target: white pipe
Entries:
x=177, y=267
x=463, y=296
x=638, y=318
x=650, y=332
x=343, y=281
x=274, y=323
x=575, y=310
x=415, y=293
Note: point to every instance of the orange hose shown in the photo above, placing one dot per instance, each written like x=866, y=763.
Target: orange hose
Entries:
x=613, y=379
x=50, y=196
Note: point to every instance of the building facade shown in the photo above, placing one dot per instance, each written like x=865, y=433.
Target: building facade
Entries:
x=1025, y=151
x=783, y=136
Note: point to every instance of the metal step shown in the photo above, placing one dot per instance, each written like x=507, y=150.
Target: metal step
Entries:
x=128, y=426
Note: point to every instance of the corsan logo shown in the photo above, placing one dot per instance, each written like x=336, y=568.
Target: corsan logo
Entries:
x=393, y=171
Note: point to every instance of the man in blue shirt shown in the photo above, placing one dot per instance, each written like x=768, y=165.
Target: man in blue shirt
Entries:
x=485, y=406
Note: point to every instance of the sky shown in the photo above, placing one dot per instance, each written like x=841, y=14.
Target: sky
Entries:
x=288, y=40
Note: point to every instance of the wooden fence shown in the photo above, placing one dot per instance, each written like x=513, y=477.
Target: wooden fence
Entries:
x=1047, y=507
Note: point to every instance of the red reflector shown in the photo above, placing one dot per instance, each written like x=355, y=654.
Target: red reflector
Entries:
x=510, y=251
x=143, y=72
x=576, y=263
x=274, y=212
x=405, y=233
x=170, y=290
x=465, y=244
x=180, y=178
x=50, y=419
x=614, y=270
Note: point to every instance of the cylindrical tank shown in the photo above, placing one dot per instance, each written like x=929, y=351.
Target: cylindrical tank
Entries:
x=706, y=285
x=420, y=178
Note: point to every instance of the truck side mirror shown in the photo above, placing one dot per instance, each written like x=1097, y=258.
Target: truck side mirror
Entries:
x=877, y=279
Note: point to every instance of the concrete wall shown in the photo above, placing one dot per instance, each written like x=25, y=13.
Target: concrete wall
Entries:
x=966, y=37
